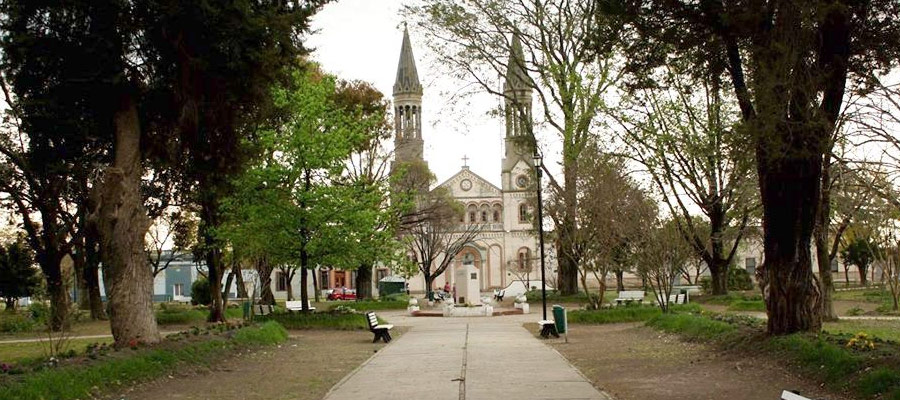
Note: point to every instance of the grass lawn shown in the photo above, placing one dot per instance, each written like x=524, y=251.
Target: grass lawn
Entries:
x=23, y=352
x=885, y=330
x=83, y=377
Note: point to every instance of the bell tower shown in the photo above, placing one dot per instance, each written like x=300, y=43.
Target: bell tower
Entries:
x=408, y=144
x=519, y=138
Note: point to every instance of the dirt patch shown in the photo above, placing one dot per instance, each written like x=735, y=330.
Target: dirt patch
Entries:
x=303, y=368
x=630, y=361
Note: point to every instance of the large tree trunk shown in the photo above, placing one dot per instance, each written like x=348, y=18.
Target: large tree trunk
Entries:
x=718, y=271
x=122, y=224
x=790, y=188
x=239, y=280
x=289, y=278
x=826, y=283
x=265, y=282
x=862, y=274
x=78, y=265
x=364, y=282
x=59, y=304
x=620, y=280
x=209, y=206
x=718, y=264
x=92, y=274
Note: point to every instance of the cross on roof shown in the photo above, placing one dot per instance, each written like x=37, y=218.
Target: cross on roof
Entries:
x=465, y=160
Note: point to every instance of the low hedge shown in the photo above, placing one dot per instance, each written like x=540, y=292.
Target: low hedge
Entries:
x=79, y=381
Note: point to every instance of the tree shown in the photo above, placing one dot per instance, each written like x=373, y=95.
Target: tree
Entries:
x=682, y=132
x=556, y=38
x=141, y=70
x=296, y=205
x=614, y=211
x=788, y=64
x=18, y=276
x=663, y=252
x=432, y=232
x=175, y=230
x=860, y=251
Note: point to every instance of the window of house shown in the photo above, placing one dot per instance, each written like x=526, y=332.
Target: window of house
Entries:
x=471, y=216
x=524, y=259
x=834, y=265
x=496, y=215
x=523, y=213
x=178, y=290
x=750, y=265
x=381, y=273
x=323, y=279
x=281, y=281
x=484, y=216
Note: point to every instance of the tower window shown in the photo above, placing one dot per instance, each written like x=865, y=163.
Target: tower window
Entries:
x=471, y=216
x=484, y=217
x=496, y=216
x=523, y=212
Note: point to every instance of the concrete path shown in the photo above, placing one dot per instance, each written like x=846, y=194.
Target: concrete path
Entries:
x=465, y=358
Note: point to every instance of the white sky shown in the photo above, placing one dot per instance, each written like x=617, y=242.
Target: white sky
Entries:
x=360, y=39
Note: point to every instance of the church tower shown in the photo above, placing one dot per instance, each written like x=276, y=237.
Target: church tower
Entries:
x=408, y=144
x=517, y=166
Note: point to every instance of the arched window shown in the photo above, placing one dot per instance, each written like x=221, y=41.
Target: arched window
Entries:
x=484, y=215
x=472, y=211
x=524, y=259
x=496, y=215
x=523, y=212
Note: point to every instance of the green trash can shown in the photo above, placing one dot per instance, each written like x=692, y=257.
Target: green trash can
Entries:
x=559, y=317
x=245, y=306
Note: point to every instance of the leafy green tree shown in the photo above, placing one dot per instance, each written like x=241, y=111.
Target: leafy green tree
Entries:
x=860, y=251
x=789, y=65
x=297, y=204
x=172, y=83
x=18, y=276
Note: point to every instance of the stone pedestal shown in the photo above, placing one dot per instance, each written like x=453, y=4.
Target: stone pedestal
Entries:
x=468, y=284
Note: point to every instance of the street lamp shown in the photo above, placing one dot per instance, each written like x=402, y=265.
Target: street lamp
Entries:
x=540, y=224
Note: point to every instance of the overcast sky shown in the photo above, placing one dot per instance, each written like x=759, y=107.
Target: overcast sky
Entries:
x=360, y=39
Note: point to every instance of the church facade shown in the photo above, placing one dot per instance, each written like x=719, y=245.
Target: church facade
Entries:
x=505, y=252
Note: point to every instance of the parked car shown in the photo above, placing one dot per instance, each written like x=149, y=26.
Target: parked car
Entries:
x=342, y=294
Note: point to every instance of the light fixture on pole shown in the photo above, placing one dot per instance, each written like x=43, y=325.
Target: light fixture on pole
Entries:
x=547, y=327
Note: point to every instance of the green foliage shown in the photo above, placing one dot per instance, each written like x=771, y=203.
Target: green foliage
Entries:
x=180, y=314
x=624, y=314
x=738, y=279
x=374, y=305
x=39, y=312
x=691, y=326
x=18, y=276
x=200, y=292
x=269, y=333
x=860, y=251
x=747, y=305
x=396, y=297
x=16, y=322
x=556, y=297
x=833, y=361
x=326, y=320
x=82, y=381
x=880, y=380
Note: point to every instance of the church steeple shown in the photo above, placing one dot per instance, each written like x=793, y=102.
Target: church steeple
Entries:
x=408, y=144
x=517, y=90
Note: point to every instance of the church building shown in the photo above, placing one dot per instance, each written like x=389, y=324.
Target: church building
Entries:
x=505, y=252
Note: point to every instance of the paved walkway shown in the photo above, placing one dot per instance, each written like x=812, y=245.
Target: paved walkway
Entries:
x=465, y=358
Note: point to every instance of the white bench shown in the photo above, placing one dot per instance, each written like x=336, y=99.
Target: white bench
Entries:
x=548, y=328
x=381, y=331
x=263, y=309
x=789, y=395
x=629, y=296
x=297, y=305
x=678, y=299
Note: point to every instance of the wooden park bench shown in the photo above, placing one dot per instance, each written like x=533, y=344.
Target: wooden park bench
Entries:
x=792, y=395
x=381, y=331
x=263, y=309
x=630, y=296
x=498, y=295
x=297, y=305
x=548, y=328
x=678, y=299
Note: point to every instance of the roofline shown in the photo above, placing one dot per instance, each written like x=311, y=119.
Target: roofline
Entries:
x=470, y=171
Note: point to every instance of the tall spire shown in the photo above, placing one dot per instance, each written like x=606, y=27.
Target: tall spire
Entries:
x=407, y=76
x=516, y=77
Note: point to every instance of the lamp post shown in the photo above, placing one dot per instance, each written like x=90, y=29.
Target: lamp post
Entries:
x=540, y=224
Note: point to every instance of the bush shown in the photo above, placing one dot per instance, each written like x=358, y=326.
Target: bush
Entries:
x=269, y=333
x=326, y=320
x=396, y=297
x=39, y=312
x=200, y=293
x=15, y=322
x=738, y=279
x=691, y=326
x=747, y=305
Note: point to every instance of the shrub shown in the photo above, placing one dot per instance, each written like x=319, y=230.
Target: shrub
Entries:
x=200, y=293
x=817, y=354
x=269, y=333
x=396, y=297
x=747, y=305
x=174, y=313
x=691, y=326
x=738, y=279
x=15, y=322
x=327, y=320
x=39, y=311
